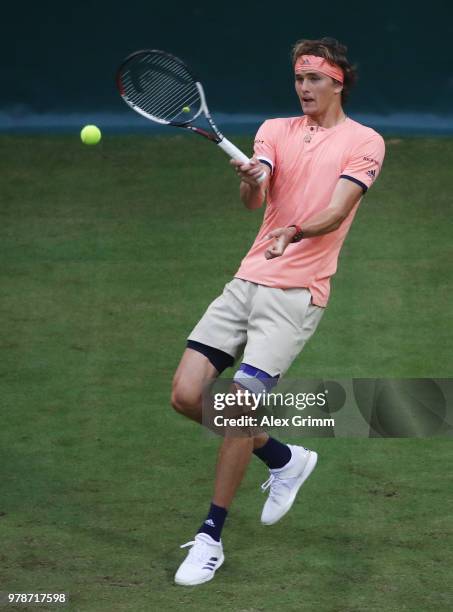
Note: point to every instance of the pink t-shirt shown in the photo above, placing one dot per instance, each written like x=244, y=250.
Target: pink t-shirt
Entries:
x=307, y=161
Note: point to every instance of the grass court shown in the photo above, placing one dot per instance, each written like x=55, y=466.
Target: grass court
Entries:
x=109, y=255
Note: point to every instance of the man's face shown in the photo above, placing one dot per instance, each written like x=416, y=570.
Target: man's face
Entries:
x=316, y=91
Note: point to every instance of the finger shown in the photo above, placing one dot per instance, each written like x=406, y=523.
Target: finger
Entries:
x=251, y=174
x=240, y=165
x=269, y=254
x=250, y=180
x=236, y=163
x=255, y=172
x=276, y=233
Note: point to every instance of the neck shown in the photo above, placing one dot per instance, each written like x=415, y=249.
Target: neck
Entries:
x=329, y=118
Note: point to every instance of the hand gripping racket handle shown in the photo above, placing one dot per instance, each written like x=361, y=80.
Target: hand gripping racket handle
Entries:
x=235, y=153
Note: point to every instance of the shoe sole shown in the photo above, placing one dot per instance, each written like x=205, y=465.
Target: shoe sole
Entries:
x=308, y=469
x=207, y=579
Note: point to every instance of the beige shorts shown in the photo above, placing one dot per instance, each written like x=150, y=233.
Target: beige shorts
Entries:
x=271, y=326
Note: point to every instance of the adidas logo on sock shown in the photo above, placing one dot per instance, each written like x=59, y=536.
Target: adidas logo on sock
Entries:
x=209, y=522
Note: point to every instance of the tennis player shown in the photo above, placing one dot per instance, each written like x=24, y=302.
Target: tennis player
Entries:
x=318, y=167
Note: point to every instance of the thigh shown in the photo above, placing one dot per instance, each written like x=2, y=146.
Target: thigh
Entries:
x=192, y=374
x=281, y=322
x=224, y=324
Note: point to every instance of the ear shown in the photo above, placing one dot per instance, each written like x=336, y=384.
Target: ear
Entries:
x=338, y=88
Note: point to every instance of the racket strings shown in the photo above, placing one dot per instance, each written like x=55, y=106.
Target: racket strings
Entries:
x=162, y=104
x=159, y=90
x=160, y=86
x=155, y=99
x=164, y=100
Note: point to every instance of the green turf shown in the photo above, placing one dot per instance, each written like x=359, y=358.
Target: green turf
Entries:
x=108, y=256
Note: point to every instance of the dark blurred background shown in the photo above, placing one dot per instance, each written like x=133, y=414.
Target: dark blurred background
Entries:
x=63, y=55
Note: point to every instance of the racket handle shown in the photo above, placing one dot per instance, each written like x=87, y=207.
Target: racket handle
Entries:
x=235, y=153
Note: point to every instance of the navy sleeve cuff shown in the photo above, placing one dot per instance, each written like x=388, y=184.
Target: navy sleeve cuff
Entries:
x=356, y=181
x=264, y=161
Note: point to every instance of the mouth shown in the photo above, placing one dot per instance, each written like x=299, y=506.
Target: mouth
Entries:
x=307, y=100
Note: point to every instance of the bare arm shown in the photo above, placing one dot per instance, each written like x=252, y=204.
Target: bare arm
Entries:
x=252, y=192
x=345, y=196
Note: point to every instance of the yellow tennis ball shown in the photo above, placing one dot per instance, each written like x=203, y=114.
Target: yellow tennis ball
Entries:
x=186, y=109
x=90, y=135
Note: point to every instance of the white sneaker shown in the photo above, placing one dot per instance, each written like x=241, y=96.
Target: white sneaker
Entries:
x=285, y=483
x=202, y=561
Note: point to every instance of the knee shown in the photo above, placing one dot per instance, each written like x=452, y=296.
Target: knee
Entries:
x=185, y=400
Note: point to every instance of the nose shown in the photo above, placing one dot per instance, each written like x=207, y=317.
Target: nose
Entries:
x=304, y=86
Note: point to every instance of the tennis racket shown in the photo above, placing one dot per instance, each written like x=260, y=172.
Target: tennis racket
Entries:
x=160, y=87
